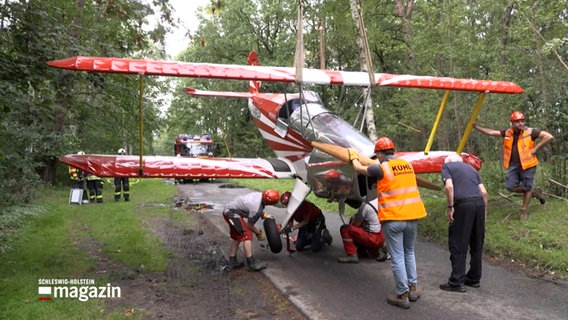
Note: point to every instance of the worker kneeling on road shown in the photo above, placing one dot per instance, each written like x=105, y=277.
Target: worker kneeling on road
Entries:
x=363, y=236
x=311, y=227
x=249, y=206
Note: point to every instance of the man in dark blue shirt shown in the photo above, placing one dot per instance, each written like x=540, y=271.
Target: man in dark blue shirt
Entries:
x=467, y=211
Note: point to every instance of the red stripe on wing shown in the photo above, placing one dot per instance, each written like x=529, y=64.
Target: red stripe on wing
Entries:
x=173, y=167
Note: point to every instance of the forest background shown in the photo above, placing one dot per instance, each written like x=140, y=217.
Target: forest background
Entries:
x=46, y=112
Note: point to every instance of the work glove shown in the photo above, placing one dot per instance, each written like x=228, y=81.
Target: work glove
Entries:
x=286, y=230
x=353, y=154
x=260, y=236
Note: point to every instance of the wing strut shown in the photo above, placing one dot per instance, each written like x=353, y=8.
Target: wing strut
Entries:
x=141, y=125
x=469, y=126
x=437, y=122
x=470, y=122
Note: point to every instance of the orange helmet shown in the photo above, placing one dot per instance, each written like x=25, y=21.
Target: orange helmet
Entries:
x=383, y=143
x=517, y=115
x=270, y=196
x=285, y=198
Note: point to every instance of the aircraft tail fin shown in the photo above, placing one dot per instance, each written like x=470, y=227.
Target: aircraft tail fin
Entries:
x=252, y=60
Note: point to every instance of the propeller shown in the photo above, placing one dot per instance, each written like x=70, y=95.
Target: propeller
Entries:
x=342, y=154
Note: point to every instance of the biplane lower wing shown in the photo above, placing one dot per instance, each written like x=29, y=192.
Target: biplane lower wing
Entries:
x=433, y=161
x=179, y=167
x=183, y=167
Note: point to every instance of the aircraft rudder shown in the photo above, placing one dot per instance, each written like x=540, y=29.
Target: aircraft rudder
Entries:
x=252, y=60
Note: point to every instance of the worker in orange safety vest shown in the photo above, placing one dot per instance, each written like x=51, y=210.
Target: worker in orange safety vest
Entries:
x=400, y=209
x=519, y=157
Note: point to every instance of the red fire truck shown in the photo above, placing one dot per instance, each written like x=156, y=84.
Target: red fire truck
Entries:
x=195, y=146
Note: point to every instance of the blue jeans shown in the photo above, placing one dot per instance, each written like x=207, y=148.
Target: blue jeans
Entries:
x=400, y=237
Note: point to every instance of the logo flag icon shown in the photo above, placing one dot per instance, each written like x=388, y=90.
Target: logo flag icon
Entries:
x=44, y=290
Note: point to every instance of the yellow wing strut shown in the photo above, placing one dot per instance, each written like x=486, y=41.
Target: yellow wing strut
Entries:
x=470, y=122
x=437, y=122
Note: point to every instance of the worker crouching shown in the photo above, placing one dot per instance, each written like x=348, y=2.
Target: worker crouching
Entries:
x=363, y=236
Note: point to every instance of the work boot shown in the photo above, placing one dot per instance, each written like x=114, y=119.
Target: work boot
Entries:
x=348, y=259
x=471, y=283
x=537, y=193
x=399, y=300
x=255, y=265
x=523, y=214
x=383, y=254
x=327, y=236
x=448, y=287
x=413, y=292
x=234, y=263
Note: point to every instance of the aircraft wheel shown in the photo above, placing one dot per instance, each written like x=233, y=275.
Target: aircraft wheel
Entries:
x=272, y=235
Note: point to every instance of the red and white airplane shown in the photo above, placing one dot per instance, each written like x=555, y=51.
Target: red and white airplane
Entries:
x=309, y=141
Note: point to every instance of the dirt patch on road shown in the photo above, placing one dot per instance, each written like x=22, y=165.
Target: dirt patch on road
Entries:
x=196, y=284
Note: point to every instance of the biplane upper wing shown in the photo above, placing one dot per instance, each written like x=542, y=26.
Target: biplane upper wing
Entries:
x=224, y=94
x=178, y=167
x=281, y=74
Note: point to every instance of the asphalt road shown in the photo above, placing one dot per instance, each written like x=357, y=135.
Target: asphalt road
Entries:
x=325, y=289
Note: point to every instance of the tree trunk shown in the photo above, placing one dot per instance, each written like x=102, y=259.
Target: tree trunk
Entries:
x=507, y=17
x=404, y=11
x=366, y=65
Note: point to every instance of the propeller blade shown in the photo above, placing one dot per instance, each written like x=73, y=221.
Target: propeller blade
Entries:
x=342, y=154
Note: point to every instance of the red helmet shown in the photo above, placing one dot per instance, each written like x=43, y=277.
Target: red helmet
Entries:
x=270, y=196
x=285, y=198
x=383, y=143
x=333, y=175
x=517, y=115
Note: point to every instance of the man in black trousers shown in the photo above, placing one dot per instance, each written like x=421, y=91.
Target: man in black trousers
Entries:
x=467, y=212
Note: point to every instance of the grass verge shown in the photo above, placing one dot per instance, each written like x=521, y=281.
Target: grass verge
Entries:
x=53, y=240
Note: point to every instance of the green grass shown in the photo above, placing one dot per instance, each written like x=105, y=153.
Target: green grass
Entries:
x=50, y=241
x=541, y=242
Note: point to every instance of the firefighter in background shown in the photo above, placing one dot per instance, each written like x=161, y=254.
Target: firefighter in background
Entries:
x=78, y=179
x=121, y=183
x=95, y=186
x=177, y=146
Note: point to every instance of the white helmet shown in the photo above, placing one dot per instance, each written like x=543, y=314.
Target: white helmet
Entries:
x=80, y=153
x=121, y=151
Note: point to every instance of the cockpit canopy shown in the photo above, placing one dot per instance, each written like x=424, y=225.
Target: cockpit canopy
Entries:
x=316, y=123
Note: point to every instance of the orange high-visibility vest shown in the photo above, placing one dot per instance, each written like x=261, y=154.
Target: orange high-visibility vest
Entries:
x=524, y=145
x=398, y=194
